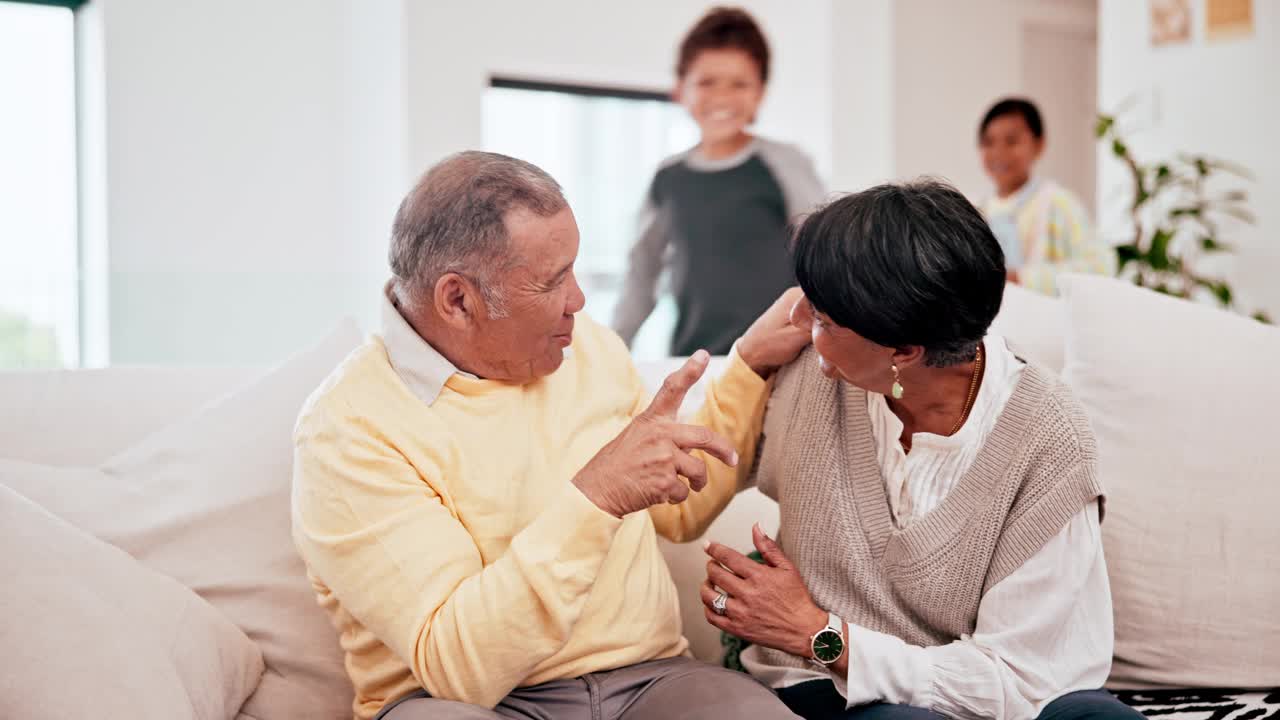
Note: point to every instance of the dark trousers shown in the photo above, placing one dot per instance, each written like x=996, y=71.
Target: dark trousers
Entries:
x=818, y=700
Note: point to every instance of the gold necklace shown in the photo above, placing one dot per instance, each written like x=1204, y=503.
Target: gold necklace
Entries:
x=973, y=393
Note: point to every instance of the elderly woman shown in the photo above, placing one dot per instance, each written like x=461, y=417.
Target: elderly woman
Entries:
x=939, y=552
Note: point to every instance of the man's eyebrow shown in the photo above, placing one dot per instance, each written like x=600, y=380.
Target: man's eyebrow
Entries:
x=561, y=273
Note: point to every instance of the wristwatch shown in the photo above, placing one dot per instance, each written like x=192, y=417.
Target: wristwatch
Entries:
x=828, y=643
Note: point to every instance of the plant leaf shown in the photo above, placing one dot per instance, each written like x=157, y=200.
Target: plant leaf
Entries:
x=1211, y=164
x=1209, y=244
x=1262, y=317
x=1239, y=213
x=1157, y=255
x=1126, y=254
x=1222, y=291
x=1103, y=125
x=1118, y=148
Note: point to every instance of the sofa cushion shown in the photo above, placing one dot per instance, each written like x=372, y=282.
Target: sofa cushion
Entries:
x=1034, y=325
x=90, y=632
x=206, y=501
x=1183, y=398
x=75, y=417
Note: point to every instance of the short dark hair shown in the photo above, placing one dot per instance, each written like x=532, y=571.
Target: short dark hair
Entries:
x=725, y=28
x=904, y=264
x=1015, y=106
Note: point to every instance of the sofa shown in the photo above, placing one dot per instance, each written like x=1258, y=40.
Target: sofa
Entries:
x=144, y=521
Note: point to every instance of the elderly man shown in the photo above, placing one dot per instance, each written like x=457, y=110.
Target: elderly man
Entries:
x=478, y=506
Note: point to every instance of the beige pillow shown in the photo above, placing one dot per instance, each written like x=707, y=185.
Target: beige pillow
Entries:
x=89, y=632
x=1183, y=398
x=74, y=417
x=1034, y=325
x=206, y=501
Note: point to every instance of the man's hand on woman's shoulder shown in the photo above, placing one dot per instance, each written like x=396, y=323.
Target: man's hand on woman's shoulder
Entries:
x=772, y=341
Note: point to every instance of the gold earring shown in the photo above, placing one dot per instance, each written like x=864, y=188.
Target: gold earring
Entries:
x=897, y=384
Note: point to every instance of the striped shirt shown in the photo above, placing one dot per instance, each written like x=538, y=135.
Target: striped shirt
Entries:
x=1054, y=235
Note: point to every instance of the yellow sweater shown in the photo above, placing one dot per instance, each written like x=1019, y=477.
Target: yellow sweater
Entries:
x=449, y=544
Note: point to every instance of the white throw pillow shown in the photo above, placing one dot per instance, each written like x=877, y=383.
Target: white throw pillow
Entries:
x=1034, y=325
x=1183, y=399
x=89, y=632
x=206, y=501
x=73, y=417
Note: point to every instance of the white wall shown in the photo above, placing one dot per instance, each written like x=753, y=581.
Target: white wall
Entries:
x=457, y=46
x=950, y=61
x=1216, y=98
x=864, y=132
x=255, y=153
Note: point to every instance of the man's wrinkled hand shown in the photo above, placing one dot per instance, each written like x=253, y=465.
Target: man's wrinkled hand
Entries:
x=644, y=464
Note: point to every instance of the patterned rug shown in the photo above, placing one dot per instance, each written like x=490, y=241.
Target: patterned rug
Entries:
x=1204, y=704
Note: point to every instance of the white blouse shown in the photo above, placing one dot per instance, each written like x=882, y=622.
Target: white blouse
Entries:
x=1042, y=632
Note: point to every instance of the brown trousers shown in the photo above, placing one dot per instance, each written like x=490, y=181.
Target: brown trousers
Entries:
x=674, y=689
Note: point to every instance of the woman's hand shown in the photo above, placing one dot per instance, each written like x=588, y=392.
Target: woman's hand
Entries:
x=768, y=604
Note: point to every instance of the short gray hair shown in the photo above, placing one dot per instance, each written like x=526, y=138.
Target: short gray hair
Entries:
x=454, y=221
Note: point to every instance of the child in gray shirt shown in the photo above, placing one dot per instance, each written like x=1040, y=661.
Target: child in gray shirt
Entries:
x=718, y=215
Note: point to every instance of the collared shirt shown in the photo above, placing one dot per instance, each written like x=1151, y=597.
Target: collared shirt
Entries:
x=422, y=368
x=917, y=481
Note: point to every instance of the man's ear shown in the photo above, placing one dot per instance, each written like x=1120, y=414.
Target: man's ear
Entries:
x=457, y=301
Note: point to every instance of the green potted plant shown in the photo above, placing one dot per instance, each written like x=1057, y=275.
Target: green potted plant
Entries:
x=1177, y=220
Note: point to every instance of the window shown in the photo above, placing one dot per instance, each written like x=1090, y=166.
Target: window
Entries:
x=603, y=146
x=39, y=278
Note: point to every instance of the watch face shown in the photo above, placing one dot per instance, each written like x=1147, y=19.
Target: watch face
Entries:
x=827, y=646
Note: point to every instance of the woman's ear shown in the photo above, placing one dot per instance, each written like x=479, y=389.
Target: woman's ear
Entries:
x=911, y=355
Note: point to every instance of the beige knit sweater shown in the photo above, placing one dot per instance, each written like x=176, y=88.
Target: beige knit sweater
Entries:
x=1037, y=469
